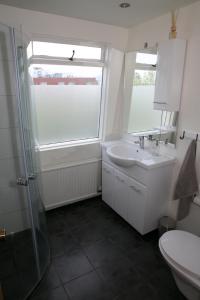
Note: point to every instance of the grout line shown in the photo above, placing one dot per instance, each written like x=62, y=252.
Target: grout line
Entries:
x=64, y=283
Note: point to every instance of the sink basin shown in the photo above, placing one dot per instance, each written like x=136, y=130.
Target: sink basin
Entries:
x=125, y=155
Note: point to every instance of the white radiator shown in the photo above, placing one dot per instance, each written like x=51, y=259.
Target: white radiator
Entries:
x=72, y=183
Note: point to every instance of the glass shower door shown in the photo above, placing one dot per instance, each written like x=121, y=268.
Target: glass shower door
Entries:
x=24, y=251
x=18, y=264
x=31, y=153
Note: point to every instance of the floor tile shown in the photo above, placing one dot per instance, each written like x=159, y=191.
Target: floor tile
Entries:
x=88, y=287
x=88, y=234
x=69, y=267
x=102, y=252
x=119, y=275
x=166, y=289
x=70, y=244
x=53, y=294
x=49, y=281
x=7, y=266
x=126, y=238
x=138, y=292
x=145, y=260
x=56, y=223
x=56, y=245
x=12, y=287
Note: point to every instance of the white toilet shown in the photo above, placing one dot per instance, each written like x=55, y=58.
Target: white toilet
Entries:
x=181, y=250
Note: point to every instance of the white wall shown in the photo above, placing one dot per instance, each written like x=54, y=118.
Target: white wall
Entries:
x=34, y=23
x=13, y=207
x=113, y=94
x=188, y=28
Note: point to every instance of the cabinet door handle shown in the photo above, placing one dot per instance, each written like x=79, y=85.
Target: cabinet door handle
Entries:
x=135, y=189
x=157, y=102
x=121, y=180
x=108, y=172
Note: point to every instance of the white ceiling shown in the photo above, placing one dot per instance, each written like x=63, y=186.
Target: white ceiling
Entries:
x=103, y=11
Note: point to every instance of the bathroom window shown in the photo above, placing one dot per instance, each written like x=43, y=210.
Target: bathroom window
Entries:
x=146, y=58
x=67, y=89
x=142, y=116
x=64, y=51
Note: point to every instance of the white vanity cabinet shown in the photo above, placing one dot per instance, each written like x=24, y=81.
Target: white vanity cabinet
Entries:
x=120, y=197
x=125, y=195
x=107, y=183
x=115, y=189
x=137, y=205
x=138, y=195
x=169, y=74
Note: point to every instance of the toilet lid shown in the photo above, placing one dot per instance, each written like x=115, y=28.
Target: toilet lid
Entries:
x=183, y=248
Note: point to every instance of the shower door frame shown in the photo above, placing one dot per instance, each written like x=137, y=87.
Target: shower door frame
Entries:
x=26, y=177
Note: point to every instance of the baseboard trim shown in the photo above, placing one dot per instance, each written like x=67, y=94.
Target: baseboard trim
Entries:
x=66, y=202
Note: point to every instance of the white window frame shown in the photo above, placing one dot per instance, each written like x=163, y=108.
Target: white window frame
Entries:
x=42, y=59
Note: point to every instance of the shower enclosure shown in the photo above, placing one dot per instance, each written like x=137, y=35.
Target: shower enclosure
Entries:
x=24, y=251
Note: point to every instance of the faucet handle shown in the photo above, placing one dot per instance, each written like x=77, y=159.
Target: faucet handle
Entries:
x=151, y=138
x=141, y=141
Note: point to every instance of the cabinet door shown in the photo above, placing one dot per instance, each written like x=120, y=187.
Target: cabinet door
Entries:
x=107, y=184
x=121, y=194
x=170, y=67
x=137, y=197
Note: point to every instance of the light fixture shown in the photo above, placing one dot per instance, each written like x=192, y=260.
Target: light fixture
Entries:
x=124, y=5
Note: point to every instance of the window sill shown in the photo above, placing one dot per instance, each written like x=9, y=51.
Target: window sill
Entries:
x=69, y=144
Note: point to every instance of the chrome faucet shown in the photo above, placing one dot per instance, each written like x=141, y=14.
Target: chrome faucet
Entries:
x=150, y=138
x=141, y=141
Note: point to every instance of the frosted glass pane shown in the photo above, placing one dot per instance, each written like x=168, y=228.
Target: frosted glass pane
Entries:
x=146, y=58
x=142, y=116
x=65, y=50
x=68, y=100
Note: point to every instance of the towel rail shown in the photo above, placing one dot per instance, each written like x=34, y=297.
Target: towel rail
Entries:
x=190, y=135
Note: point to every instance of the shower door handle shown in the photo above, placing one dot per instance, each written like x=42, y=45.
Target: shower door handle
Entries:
x=32, y=176
x=22, y=181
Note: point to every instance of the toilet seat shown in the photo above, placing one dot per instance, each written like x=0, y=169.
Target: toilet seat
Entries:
x=182, y=250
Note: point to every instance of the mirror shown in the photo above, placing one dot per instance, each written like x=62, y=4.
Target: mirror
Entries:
x=142, y=117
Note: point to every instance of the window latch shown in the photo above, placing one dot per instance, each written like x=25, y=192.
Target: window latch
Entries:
x=72, y=57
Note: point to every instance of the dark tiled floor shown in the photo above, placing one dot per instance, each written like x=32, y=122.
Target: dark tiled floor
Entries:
x=96, y=255
x=18, y=271
x=17, y=265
